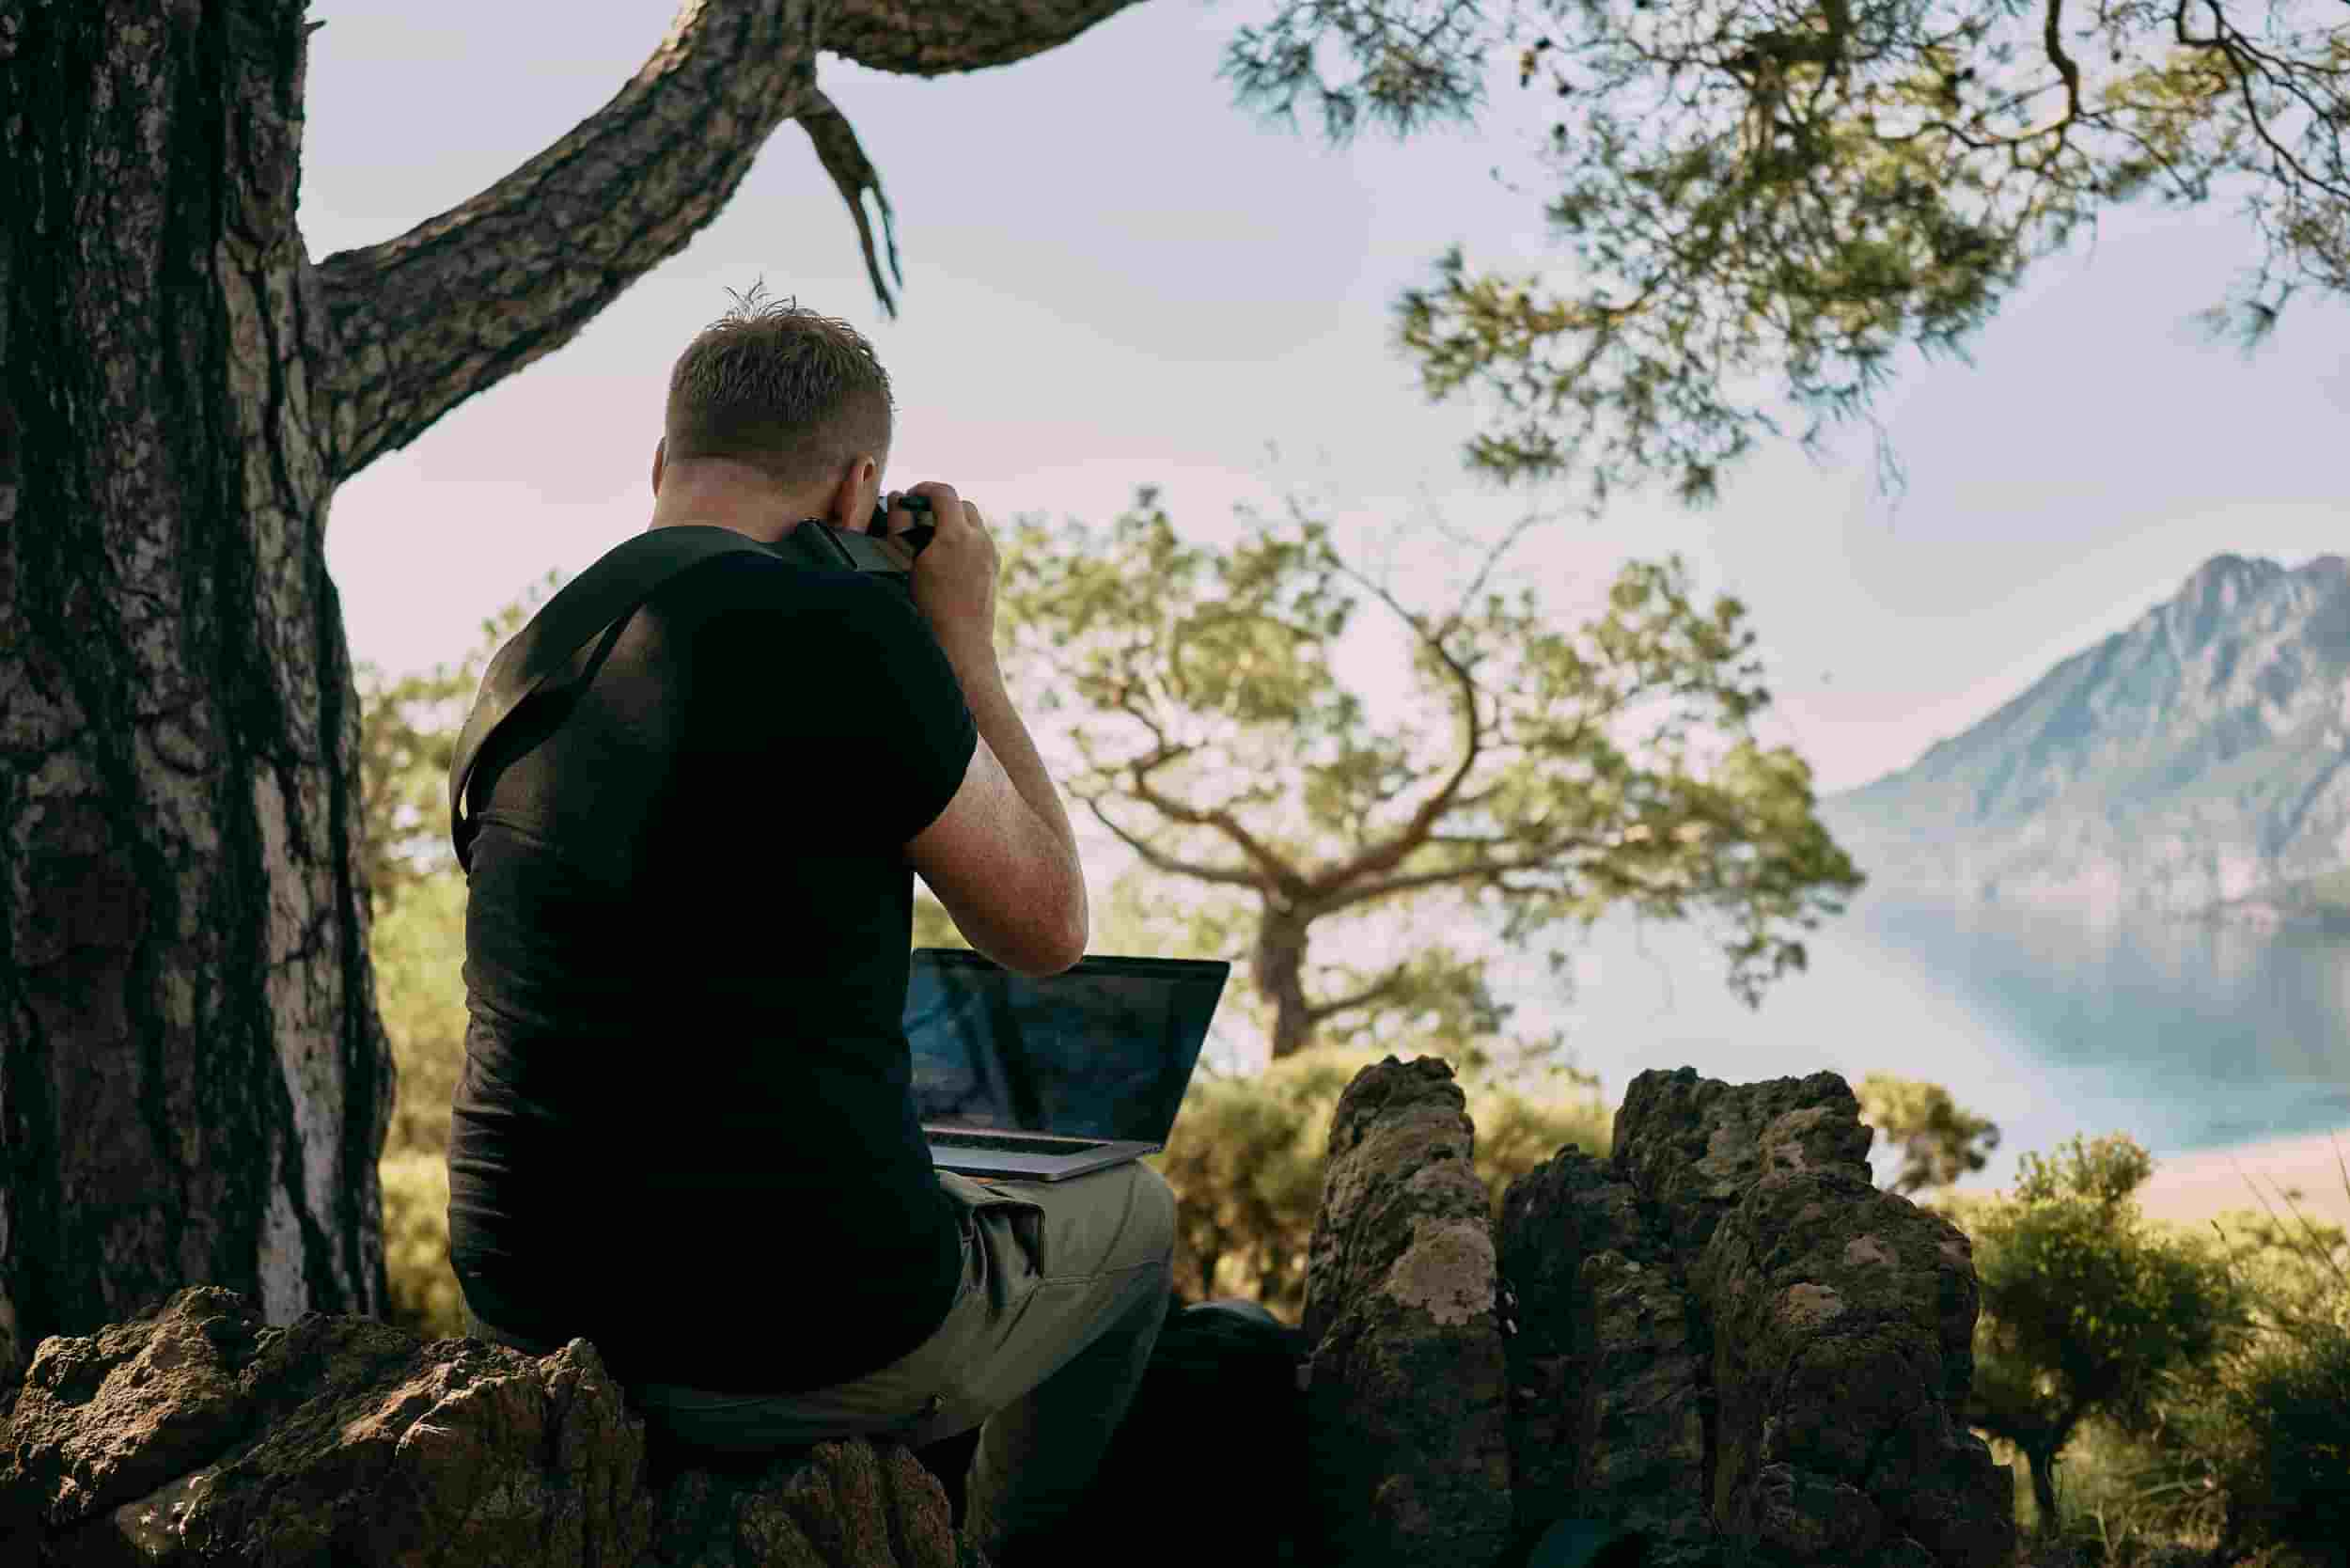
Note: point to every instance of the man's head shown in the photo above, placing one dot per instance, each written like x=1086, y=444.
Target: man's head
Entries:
x=774, y=413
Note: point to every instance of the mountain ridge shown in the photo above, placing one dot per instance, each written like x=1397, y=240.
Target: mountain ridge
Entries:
x=2187, y=764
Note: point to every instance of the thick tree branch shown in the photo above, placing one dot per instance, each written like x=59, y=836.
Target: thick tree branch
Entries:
x=1322, y=1013
x=1160, y=860
x=1541, y=856
x=463, y=300
x=925, y=37
x=1389, y=854
x=1278, y=875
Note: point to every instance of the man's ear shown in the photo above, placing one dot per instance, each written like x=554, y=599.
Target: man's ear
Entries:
x=660, y=455
x=850, y=497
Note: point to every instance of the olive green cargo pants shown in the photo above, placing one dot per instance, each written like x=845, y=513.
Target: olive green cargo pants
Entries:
x=1064, y=1287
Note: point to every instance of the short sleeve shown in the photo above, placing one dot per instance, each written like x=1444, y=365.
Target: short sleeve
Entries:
x=905, y=705
x=845, y=688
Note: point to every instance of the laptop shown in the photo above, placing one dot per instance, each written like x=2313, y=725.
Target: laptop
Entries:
x=1045, y=1079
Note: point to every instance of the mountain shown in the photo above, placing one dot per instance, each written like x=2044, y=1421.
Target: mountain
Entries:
x=2197, y=761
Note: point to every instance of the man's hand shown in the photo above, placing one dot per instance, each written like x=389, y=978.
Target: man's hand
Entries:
x=954, y=577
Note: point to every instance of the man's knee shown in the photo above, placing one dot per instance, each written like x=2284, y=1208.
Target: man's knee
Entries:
x=1154, y=1207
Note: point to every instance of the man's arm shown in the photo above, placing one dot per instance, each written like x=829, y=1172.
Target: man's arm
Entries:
x=1001, y=857
x=982, y=679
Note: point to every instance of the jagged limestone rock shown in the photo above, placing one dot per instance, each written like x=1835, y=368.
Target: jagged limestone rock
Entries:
x=1731, y=1340
x=1407, y=1449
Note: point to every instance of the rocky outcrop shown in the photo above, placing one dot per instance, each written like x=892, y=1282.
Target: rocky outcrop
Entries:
x=1408, y=1455
x=1721, y=1337
x=1729, y=1340
x=199, y=1434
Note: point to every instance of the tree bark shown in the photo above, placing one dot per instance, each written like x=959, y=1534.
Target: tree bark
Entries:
x=193, y=1082
x=2041, y=1458
x=1279, y=968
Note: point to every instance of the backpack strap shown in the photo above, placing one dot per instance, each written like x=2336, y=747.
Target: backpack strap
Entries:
x=601, y=599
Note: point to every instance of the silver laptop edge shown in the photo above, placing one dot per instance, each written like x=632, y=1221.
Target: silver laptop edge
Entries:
x=1006, y=1164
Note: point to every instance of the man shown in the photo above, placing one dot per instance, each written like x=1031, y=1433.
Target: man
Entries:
x=685, y=1129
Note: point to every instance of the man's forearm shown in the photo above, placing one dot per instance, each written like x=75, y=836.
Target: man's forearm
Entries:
x=982, y=680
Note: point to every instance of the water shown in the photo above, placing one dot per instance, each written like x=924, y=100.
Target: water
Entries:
x=2186, y=1037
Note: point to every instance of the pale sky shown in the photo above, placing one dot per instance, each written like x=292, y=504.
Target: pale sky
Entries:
x=1115, y=276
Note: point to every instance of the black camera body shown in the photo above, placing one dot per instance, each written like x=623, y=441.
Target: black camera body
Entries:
x=914, y=538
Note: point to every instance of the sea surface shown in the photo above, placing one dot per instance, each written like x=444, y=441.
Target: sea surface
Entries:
x=2188, y=1037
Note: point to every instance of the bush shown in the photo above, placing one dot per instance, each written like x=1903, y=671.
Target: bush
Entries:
x=424, y=1294
x=1248, y=1156
x=419, y=946
x=420, y=952
x=2243, y=1453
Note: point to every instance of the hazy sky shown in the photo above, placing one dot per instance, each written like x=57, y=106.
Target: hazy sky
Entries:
x=1114, y=277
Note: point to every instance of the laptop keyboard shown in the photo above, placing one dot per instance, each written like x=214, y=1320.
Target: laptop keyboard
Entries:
x=1031, y=1143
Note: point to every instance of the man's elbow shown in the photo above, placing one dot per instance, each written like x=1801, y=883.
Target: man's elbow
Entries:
x=1075, y=930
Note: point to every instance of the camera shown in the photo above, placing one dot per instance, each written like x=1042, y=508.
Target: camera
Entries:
x=915, y=537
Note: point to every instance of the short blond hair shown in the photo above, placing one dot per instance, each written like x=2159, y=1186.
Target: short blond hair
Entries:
x=796, y=395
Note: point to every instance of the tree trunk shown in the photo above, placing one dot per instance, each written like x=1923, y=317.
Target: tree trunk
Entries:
x=193, y=1082
x=193, y=1078
x=1279, y=968
x=2041, y=1459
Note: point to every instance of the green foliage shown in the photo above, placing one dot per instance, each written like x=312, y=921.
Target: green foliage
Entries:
x=408, y=730
x=1249, y=1155
x=2269, y=1415
x=419, y=950
x=1939, y=1141
x=424, y=1293
x=1764, y=204
x=2087, y=1311
x=1220, y=745
x=2240, y=1450
x=2085, y=1307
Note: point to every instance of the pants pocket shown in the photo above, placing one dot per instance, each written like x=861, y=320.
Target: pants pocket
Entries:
x=976, y=1196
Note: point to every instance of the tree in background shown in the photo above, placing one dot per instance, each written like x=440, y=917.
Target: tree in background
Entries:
x=1939, y=1141
x=1763, y=203
x=2086, y=1310
x=183, y=867
x=1219, y=745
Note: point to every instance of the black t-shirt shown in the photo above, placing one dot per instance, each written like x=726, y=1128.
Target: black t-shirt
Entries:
x=685, y=1128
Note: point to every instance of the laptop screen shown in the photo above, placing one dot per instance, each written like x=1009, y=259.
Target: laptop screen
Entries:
x=1105, y=1049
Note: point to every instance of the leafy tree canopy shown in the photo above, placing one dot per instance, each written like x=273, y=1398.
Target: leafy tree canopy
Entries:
x=1574, y=771
x=1763, y=202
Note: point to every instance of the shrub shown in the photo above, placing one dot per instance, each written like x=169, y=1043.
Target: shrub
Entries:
x=424, y=1294
x=1248, y=1156
x=419, y=946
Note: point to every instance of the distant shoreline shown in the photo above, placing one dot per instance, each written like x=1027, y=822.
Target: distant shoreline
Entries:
x=2266, y=916
x=2263, y=913
x=2193, y=1189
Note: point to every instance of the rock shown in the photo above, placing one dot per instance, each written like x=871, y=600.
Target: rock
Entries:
x=196, y=1434
x=1408, y=1455
x=1720, y=1346
x=1609, y=1398
x=1732, y=1341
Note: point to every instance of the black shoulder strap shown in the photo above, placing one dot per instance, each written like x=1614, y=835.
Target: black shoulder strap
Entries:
x=606, y=594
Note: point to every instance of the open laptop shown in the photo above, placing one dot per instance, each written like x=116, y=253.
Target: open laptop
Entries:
x=1045, y=1079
